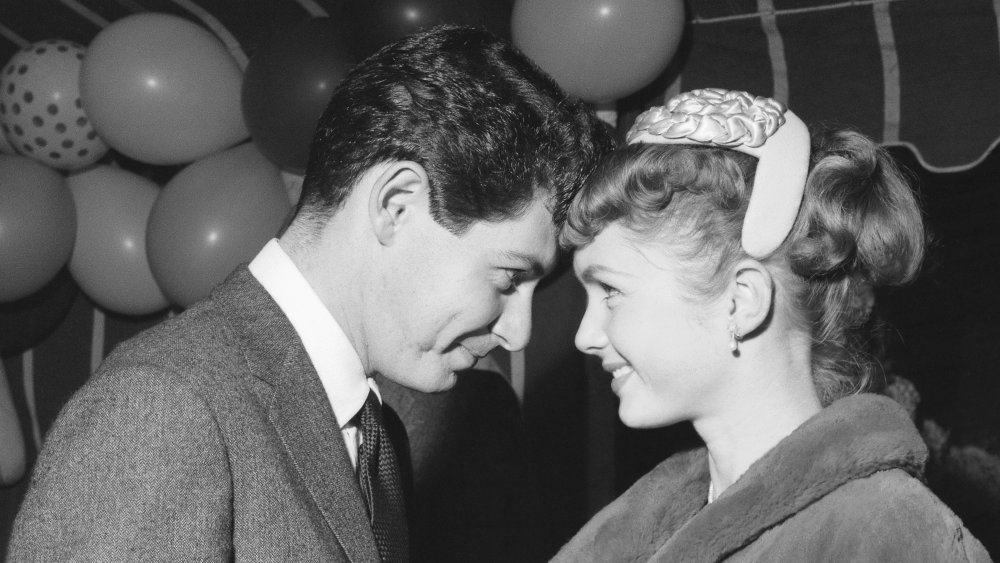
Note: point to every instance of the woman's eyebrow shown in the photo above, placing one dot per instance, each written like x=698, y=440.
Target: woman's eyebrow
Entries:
x=589, y=273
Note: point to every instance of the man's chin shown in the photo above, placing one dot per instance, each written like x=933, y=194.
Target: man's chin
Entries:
x=439, y=384
x=449, y=382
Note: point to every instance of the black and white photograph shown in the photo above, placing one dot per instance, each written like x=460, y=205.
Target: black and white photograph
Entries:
x=462, y=281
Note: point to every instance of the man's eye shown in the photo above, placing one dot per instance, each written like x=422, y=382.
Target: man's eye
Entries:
x=514, y=278
x=609, y=291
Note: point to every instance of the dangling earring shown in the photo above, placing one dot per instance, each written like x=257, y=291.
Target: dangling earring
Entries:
x=734, y=338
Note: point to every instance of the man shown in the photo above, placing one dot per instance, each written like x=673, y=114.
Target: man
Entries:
x=438, y=177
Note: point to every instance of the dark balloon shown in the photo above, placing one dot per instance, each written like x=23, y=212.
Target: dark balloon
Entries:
x=288, y=84
x=377, y=22
x=37, y=226
x=26, y=322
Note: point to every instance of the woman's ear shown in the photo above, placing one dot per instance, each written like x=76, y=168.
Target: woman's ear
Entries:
x=398, y=192
x=752, y=292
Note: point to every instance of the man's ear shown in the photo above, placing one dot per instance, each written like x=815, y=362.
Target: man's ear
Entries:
x=752, y=292
x=398, y=191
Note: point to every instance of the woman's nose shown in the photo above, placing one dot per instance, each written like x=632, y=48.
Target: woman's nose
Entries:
x=590, y=336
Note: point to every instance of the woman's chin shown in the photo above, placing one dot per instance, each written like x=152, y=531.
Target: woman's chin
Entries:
x=639, y=418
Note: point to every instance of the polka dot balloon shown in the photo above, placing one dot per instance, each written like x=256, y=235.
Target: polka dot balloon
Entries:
x=40, y=110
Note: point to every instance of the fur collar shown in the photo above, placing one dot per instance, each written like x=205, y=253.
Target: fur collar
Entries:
x=664, y=517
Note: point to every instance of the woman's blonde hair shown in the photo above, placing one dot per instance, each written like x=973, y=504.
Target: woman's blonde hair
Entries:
x=859, y=226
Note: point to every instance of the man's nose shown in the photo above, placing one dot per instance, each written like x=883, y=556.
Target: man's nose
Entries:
x=513, y=327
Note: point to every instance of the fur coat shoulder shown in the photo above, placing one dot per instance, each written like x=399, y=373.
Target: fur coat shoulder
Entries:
x=844, y=486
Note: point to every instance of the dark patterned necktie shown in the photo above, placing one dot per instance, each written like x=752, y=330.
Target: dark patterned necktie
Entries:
x=381, y=484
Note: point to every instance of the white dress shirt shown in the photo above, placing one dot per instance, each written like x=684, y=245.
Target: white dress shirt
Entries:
x=331, y=353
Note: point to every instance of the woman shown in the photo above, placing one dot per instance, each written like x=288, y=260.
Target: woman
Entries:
x=720, y=251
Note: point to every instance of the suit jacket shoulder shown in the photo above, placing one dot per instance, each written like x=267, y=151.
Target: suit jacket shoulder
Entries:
x=209, y=435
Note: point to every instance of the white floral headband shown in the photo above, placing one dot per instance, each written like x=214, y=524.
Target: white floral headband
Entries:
x=758, y=126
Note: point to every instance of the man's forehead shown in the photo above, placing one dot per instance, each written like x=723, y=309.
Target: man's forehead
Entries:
x=536, y=238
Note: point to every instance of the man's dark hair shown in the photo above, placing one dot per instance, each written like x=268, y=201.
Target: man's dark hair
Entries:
x=485, y=122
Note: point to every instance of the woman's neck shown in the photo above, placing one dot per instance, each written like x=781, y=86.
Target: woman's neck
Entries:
x=751, y=420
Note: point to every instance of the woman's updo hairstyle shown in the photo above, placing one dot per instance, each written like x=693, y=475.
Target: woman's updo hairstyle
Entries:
x=859, y=226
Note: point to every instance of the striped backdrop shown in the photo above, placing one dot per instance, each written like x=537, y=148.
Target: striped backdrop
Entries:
x=920, y=73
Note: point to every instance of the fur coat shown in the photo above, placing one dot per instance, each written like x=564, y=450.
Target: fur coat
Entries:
x=844, y=486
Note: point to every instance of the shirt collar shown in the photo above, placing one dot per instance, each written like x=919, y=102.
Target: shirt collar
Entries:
x=335, y=359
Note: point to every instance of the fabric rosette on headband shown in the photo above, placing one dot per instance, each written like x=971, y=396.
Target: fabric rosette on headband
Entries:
x=755, y=125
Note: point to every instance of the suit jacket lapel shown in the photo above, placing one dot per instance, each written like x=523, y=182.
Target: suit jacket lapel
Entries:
x=317, y=449
x=299, y=410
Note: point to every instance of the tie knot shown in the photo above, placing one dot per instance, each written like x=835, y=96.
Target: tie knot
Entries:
x=369, y=418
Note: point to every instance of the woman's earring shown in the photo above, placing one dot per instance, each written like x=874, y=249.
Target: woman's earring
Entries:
x=734, y=338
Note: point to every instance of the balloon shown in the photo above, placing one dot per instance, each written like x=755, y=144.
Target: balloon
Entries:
x=37, y=226
x=599, y=50
x=162, y=90
x=40, y=109
x=378, y=22
x=25, y=322
x=109, y=258
x=12, y=461
x=288, y=84
x=213, y=215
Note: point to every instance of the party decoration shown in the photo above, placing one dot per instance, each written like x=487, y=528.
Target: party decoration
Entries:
x=26, y=322
x=162, y=90
x=37, y=226
x=40, y=110
x=213, y=215
x=599, y=50
x=12, y=462
x=375, y=23
x=287, y=85
x=109, y=258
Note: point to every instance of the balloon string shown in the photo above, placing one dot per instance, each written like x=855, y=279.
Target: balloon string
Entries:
x=220, y=30
x=313, y=9
x=86, y=12
x=97, y=341
x=28, y=379
x=14, y=38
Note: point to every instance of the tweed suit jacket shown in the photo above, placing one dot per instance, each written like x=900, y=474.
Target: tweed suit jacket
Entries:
x=206, y=438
